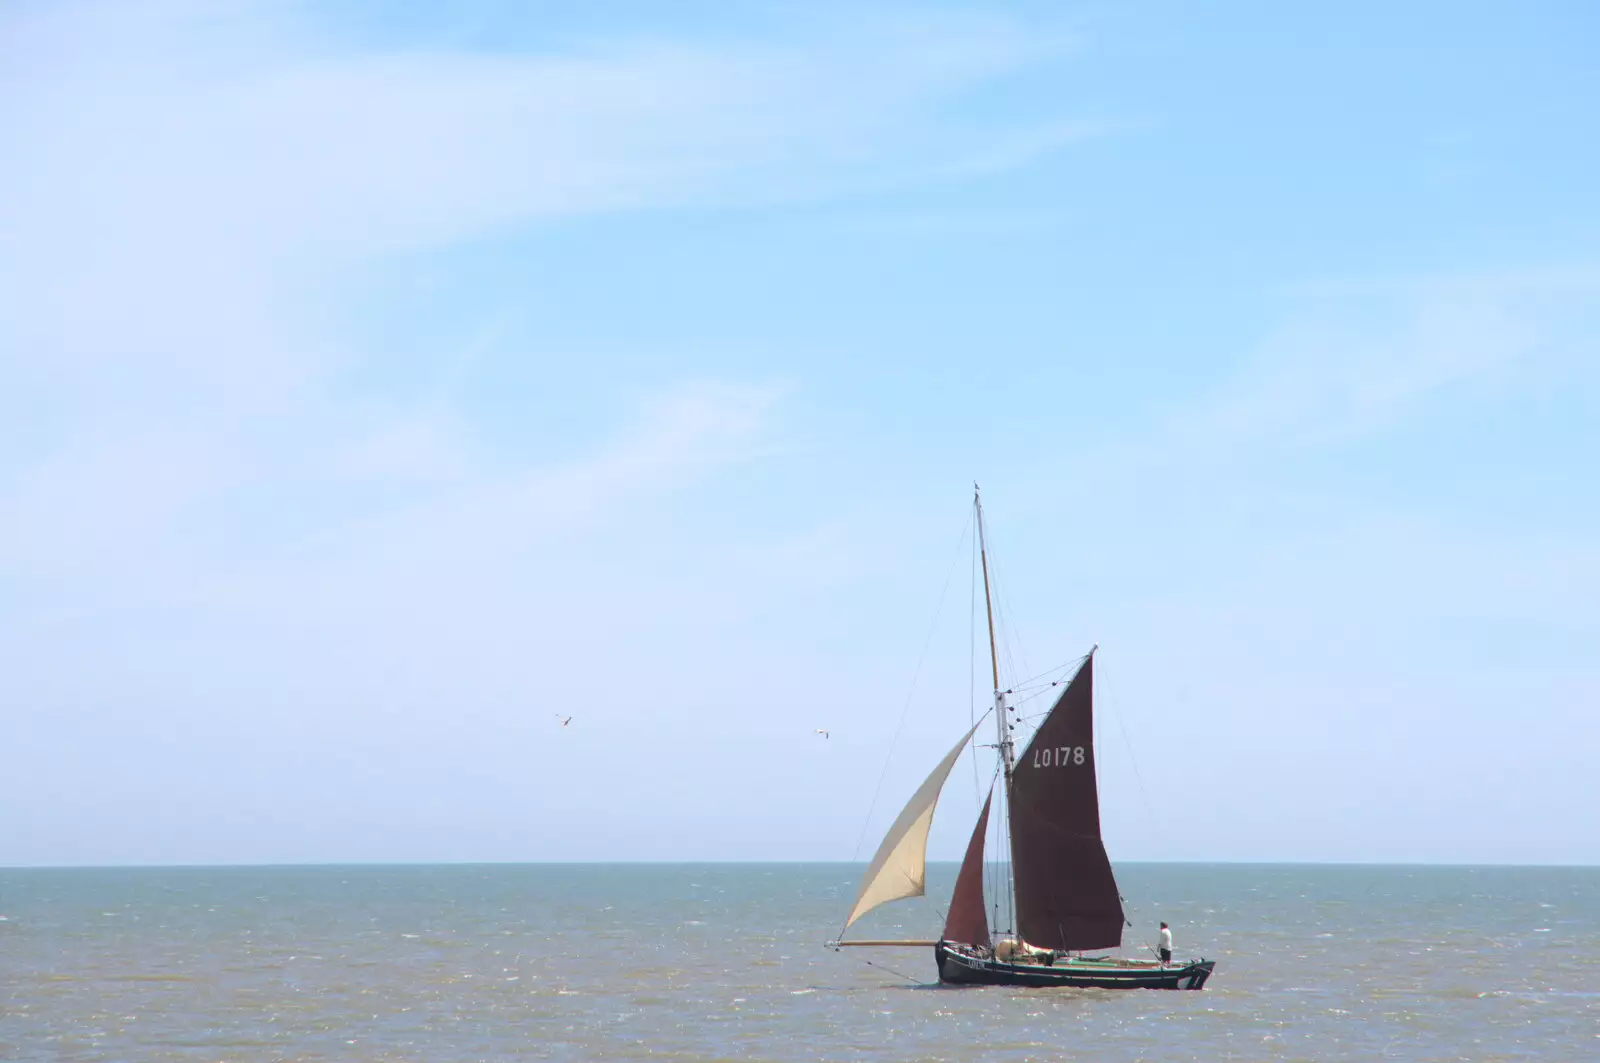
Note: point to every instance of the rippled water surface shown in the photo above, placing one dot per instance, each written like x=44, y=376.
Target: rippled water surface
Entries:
x=706, y=962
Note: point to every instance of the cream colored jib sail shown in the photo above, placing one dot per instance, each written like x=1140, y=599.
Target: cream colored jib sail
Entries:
x=900, y=866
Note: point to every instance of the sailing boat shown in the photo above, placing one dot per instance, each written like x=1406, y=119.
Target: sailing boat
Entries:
x=1062, y=890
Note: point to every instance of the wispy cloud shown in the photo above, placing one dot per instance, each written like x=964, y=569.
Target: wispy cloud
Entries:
x=296, y=153
x=669, y=439
x=1344, y=358
x=196, y=177
x=1262, y=511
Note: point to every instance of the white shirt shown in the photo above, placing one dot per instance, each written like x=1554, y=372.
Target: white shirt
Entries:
x=1166, y=939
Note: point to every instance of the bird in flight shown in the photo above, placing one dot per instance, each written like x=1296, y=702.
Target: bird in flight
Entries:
x=564, y=719
x=821, y=732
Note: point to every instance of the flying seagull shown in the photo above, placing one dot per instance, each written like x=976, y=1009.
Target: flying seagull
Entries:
x=821, y=732
x=564, y=719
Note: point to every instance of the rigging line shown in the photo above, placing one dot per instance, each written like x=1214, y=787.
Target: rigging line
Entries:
x=897, y=974
x=994, y=876
x=906, y=708
x=1035, y=696
x=1035, y=693
x=1034, y=688
x=1010, y=873
x=943, y=913
x=1115, y=704
x=1009, y=634
x=983, y=865
x=1058, y=668
x=972, y=659
x=1022, y=695
x=1004, y=873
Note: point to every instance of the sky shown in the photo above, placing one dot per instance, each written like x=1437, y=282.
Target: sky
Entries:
x=380, y=382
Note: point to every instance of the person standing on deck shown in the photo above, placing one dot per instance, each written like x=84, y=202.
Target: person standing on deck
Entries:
x=1166, y=944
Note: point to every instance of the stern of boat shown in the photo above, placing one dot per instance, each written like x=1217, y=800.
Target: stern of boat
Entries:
x=1194, y=975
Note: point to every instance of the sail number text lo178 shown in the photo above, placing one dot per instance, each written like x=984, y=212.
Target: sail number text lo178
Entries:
x=1057, y=756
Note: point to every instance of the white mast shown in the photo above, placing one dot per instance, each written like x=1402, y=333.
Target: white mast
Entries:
x=1002, y=717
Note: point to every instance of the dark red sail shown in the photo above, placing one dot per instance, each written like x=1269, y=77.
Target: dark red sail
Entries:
x=968, y=922
x=1066, y=895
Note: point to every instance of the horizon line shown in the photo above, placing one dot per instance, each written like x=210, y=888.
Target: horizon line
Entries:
x=304, y=865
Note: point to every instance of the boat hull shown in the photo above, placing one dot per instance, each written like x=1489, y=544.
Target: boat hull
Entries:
x=960, y=968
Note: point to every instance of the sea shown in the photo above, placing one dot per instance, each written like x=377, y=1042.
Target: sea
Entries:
x=447, y=964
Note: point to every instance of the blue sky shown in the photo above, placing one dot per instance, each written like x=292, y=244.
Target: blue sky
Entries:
x=377, y=383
